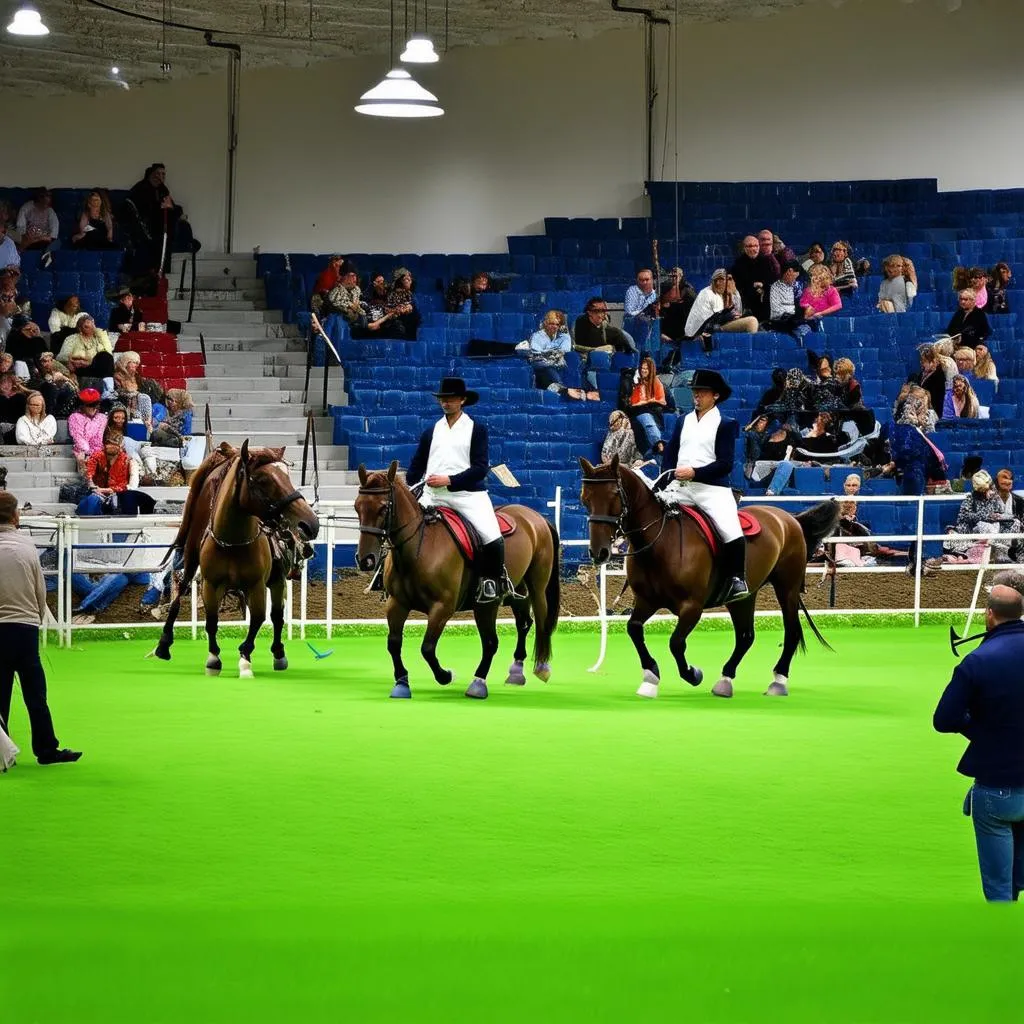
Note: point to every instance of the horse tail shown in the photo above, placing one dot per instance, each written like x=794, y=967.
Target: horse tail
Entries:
x=817, y=523
x=553, y=596
x=814, y=629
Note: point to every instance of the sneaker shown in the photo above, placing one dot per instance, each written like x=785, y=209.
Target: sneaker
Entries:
x=60, y=757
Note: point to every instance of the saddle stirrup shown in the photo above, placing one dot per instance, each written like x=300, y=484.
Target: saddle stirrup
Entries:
x=492, y=572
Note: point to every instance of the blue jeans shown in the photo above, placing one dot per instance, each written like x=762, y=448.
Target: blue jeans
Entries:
x=781, y=477
x=91, y=505
x=102, y=595
x=998, y=816
x=650, y=427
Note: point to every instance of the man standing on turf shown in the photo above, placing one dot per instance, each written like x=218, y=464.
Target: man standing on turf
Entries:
x=22, y=611
x=984, y=701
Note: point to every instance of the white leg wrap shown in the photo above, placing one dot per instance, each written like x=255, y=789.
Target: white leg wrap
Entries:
x=244, y=668
x=778, y=687
x=649, y=687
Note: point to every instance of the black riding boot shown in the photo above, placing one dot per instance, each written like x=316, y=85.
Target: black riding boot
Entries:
x=734, y=554
x=492, y=571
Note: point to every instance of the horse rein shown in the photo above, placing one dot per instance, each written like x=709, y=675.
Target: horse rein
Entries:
x=269, y=519
x=389, y=512
x=619, y=522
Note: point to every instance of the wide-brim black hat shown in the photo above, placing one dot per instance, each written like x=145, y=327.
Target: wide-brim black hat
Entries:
x=455, y=387
x=712, y=380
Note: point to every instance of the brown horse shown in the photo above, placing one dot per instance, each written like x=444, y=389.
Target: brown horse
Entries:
x=235, y=499
x=669, y=565
x=424, y=571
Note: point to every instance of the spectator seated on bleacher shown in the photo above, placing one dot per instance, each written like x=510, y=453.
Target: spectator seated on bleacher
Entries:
x=346, y=297
x=381, y=322
x=95, y=229
x=676, y=299
x=815, y=256
x=783, y=303
x=928, y=420
x=966, y=360
x=154, y=468
x=137, y=403
x=88, y=352
x=99, y=594
x=593, y=332
x=8, y=311
x=998, y=303
x=620, y=441
x=969, y=322
x=546, y=351
x=820, y=298
x=172, y=431
x=86, y=426
x=63, y=321
x=771, y=395
x=113, y=479
x=12, y=404
x=783, y=253
x=35, y=429
x=400, y=302
x=640, y=308
x=647, y=404
x=754, y=273
x=794, y=401
x=327, y=280
x=463, y=296
x=913, y=459
x=126, y=315
x=129, y=365
x=960, y=401
x=844, y=277
x=984, y=364
x=37, y=225
x=151, y=213
x=9, y=255
x=718, y=308
x=767, y=444
x=25, y=344
x=933, y=375
x=898, y=289
x=981, y=511
x=56, y=383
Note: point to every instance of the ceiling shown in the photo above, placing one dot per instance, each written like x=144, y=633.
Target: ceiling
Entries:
x=88, y=37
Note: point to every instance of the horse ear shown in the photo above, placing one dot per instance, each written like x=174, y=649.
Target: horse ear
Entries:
x=392, y=470
x=278, y=454
x=244, y=456
x=615, y=463
x=585, y=465
x=362, y=474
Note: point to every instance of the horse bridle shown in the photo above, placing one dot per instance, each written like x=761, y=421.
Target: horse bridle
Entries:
x=389, y=512
x=618, y=523
x=270, y=519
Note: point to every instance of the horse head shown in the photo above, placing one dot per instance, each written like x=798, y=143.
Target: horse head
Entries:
x=375, y=508
x=603, y=499
x=268, y=493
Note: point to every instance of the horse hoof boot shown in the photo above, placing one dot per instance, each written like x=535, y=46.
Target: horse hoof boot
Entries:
x=244, y=668
x=280, y=664
x=213, y=665
x=696, y=677
x=778, y=687
x=477, y=689
x=401, y=691
x=543, y=671
x=516, y=675
x=723, y=688
x=649, y=687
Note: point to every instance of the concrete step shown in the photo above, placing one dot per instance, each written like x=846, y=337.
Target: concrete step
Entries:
x=25, y=481
x=62, y=463
x=220, y=362
x=213, y=264
x=214, y=301
x=203, y=318
x=261, y=344
x=219, y=293
x=207, y=282
x=272, y=439
x=237, y=332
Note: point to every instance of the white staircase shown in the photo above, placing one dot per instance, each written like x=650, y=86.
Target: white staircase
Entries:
x=255, y=374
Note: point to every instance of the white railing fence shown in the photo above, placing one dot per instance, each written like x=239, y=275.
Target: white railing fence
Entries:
x=137, y=544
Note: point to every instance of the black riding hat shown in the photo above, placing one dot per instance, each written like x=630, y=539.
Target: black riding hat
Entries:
x=712, y=380
x=455, y=387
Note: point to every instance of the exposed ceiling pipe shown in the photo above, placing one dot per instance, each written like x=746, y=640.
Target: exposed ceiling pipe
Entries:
x=651, y=81
x=234, y=88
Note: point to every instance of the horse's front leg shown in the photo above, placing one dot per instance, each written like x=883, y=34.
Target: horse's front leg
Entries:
x=211, y=602
x=396, y=615
x=437, y=619
x=277, y=597
x=486, y=616
x=642, y=611
x=257, y=601
x=689, y=616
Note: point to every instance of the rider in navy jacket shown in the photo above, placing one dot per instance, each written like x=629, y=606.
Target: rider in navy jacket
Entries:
x=717, y=472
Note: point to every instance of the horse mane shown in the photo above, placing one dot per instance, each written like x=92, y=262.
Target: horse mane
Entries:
x=221, y=455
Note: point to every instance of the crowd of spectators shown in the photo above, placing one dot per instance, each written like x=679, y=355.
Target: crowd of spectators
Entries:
x=383, y=309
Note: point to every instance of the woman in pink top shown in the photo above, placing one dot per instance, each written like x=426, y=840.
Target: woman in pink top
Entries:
x=86, y=426
x=820, y=297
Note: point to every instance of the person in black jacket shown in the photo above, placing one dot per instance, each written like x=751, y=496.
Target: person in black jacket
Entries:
x=452, y=459
x=984, y=702
x=125, y=316
x=755, y=274
x=969, y=322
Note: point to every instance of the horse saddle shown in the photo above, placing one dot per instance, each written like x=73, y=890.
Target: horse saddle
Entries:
x=750, y=526
x=466, y=538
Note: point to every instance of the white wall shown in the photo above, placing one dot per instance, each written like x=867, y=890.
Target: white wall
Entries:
x=876, y=89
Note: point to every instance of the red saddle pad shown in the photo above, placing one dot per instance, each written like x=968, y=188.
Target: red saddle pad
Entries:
x=750, y=526
x=461, y=535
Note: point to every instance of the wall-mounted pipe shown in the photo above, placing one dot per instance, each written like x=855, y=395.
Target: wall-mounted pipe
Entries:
x=234, y=85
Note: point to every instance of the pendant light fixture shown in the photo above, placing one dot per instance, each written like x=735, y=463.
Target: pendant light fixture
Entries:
x=27, y=22
x=419, y=49
x=398, y=94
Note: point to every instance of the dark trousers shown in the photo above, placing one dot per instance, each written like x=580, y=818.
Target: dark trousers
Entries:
x=19, y=655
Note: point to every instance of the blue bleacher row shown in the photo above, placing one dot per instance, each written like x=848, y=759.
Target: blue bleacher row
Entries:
x=67, y=204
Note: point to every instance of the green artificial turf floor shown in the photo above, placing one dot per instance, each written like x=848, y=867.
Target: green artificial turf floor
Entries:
x=299, y=848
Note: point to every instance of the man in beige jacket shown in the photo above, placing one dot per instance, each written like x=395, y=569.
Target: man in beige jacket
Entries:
x=22, y=611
